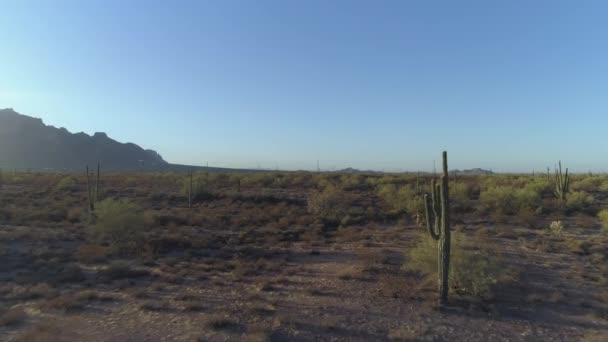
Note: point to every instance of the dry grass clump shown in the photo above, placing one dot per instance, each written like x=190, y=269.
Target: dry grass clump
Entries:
x=155, y=305
x=38, y=291
x=120, y=270
x=65, y=303
x=258, y=333
x=350, y=273
x=222, y=323
x=90, y=253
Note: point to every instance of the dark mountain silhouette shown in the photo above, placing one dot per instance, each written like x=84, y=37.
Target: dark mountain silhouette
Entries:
x=27, y=143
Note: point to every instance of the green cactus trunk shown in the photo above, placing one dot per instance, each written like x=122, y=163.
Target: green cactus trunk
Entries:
x=190, y=191
x=439, y=227
x=562, y=183
x=90, y=192
x=97, y=183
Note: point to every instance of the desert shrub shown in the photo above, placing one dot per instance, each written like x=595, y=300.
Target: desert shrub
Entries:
x=75, y=214
x=592, y=183
x=330, y=205
x=539, y=185
x=121, y=223
x=556, y=228
x=507, y=200
x=261, y=179
x=603, y=216
x=578, y=200
x=498, y=199
x=200, y=187
x=302, y=180
x=460, y=195
x=604, y=186
x=121, y=270
x=91, y=253
x=351, y=182
x=401, y=199
x=526, y=199
x=470, y=273
x=66, y=184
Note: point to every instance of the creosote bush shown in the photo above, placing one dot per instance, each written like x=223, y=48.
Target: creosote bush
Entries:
x=200, y=187
x=121, y=223
x=470, y=273
x=603, y=216
x=401, y=199
x=331, y=205
x=506, y=200
x=579, y=200
x=65, y=184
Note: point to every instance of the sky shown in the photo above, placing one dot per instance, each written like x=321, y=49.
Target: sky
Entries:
x=386, y=85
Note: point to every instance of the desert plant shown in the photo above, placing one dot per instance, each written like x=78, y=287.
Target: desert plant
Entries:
x=578, y=200
x=562, y=183
x=120, y=223
x=196, y=187
x=331, y=205
x=67, y=183
x=439, y=228
x=93, y=193
x=401, y=199
x=603, y=216
x=508, y=200
x=556, y=228
x=469, y=273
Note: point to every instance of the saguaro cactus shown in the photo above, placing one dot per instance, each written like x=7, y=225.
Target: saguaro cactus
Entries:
x=93, y=194
x=190, y=191
x=439, y=226
x=97, y=183
x=562, y=183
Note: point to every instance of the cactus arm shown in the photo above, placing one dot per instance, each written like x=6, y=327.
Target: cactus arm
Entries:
x=429, y=225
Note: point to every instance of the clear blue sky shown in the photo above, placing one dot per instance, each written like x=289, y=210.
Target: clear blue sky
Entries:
x=507, y=85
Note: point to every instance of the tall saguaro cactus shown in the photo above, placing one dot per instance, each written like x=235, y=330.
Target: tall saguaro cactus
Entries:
x=93, y=194
x=190, y=191
x=562, y=183
x=439, y=226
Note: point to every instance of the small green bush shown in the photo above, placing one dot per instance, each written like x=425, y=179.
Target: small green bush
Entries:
x=578, y=200
x=498, y=199
x=65, y=184
x=401, y=199
x=121, y=223
x=460, y=195
x=331, y=205
x=508, y=200
x=470, y=273
x=587, y=184
x=603, y=216
x=200, y=187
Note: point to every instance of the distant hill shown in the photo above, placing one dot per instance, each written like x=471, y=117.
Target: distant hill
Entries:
x=475, y=171
x=27, y=143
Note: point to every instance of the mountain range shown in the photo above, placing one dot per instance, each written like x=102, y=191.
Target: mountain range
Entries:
x=27, y=143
